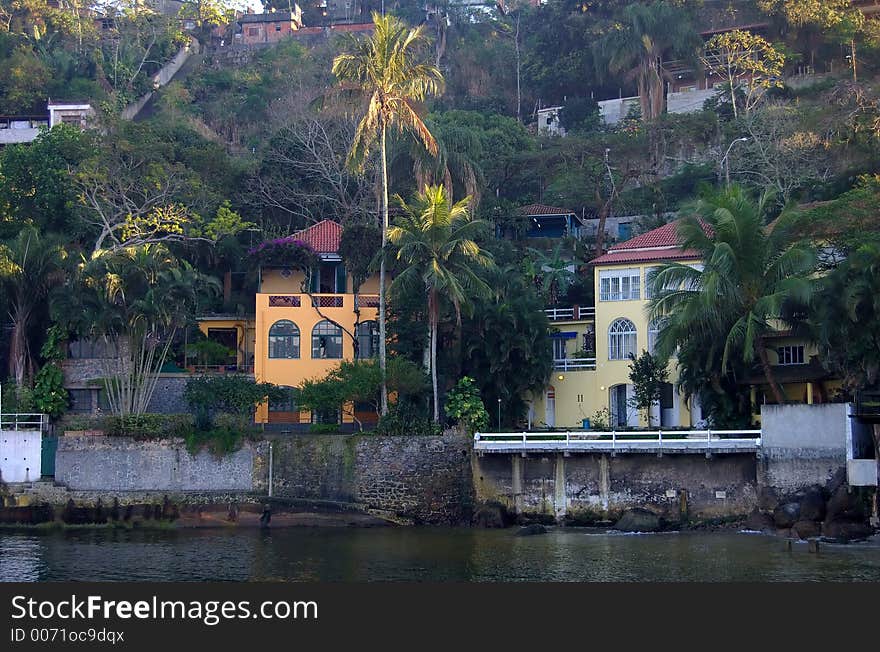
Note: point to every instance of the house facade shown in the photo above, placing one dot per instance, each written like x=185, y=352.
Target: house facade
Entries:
x=591, y=348
x=305, y=323
x=271, y=27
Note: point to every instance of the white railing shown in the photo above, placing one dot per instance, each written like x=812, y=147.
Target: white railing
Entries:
x=16, y=422
x=634, y=441
x=559, y=314
x=568, y=314
x=574, y=364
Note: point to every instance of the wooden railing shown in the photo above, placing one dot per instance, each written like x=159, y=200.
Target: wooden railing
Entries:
x=570, y=313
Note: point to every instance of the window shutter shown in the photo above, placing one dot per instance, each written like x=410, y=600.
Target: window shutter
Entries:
x=340, y=279
x=315, y=280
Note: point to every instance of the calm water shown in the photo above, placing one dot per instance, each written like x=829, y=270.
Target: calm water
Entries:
x=338, y=554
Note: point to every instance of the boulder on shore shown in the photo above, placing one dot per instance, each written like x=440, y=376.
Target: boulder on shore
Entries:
x=531, y=530
x=638, y=520
x=787, y=514
x=844, y=505
x=812, y=502
x=760, y=522
x=805, y=529
x=491, y=515
x=840, y=531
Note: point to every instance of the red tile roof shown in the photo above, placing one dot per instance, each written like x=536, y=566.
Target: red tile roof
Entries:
x=323, y=237
x=658, y=244
x=666, y=253
x=542, y=209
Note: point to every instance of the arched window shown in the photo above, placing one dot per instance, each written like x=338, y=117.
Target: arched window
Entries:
x=284, y=340
x=621, y=339
x=653, y=333
x=326, y=341
x=367, y=339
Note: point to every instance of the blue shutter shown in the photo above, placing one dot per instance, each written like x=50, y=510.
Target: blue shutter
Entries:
x=340, y=279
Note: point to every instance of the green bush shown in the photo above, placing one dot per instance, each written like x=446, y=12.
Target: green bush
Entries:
x=324, y=428
x=463, y=403
x=148, y=426
x=406, y=418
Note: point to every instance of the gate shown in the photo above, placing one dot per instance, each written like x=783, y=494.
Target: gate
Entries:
x=48, y=447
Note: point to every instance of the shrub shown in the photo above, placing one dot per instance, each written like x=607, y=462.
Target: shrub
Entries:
x=230, y=394
x=463, y=403
x=407, y=418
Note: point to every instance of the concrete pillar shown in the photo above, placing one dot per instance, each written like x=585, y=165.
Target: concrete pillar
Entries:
x=560, y=499
x=516, y=474
x=604, y=480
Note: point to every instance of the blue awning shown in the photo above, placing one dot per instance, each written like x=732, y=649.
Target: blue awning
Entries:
x=565, y=335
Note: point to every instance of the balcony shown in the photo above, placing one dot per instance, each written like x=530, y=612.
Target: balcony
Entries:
x=324, y=301
x=574, y=364
x=571, y=313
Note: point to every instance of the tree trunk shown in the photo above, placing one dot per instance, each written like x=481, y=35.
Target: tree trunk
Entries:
x=19, y=350
x=433, y=320
x=768, y=374
x=382, y=327
x=852, y=47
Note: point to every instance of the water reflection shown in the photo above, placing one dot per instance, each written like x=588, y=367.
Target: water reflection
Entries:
x=415, y=554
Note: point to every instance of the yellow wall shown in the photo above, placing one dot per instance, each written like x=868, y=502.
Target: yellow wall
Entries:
x=292, y=372
x=579, y=394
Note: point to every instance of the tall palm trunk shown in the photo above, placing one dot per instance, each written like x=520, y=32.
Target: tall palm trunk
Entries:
x=382, y=328
x=20, y=364
x=768, y=374
x=433, y=320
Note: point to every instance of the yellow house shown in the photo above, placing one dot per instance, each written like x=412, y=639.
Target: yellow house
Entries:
x=591, y=348
x=305, y=323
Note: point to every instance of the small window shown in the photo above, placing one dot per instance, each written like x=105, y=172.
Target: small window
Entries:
x=80, y=400
x=790, y=355
x=284, y=340
x=253, y=31
x=277, y=27
x=621, y=340
x=559, y=352
x=285, y=404
x=91, y=349
x=326, y=341
x=619, y=285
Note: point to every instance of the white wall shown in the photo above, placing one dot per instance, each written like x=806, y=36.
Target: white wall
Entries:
x=20, y=455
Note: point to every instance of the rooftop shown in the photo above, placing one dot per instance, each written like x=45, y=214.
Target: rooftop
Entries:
x=661, y=243
x=541, y=209
x=323, y=237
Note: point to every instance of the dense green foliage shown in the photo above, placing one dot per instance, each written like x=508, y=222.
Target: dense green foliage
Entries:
x=463, y=404
x=118, y=229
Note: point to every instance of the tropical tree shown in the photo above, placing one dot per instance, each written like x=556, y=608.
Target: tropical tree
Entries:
x=135, y=299
x=31, y=265
x=389, y=71
x=750, y=277
x=555, y=271
x=846, y=316
x=436, y=243
x=744, y=60
x=637, y=44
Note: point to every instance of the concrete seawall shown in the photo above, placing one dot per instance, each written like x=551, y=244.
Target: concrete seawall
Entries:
x=595, y=487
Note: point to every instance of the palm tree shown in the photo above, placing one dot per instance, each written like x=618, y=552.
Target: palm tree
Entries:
x=637, y=44
x=388, y=71
x=136, y=299
x=31, y=265
x=751, y=276
x=554, y=272
x=436, y=241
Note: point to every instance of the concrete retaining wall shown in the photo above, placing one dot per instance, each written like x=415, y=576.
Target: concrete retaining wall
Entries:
x=97, y=463
x=802, y=445
x=598, y=486
x=20, y=455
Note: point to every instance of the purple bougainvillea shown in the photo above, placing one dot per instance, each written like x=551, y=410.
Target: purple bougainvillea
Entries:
x=285, y=252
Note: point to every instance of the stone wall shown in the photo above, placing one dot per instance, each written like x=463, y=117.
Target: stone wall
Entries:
x=593, y=487
x=424, y=479
x=802, y=445
x=98, y=463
